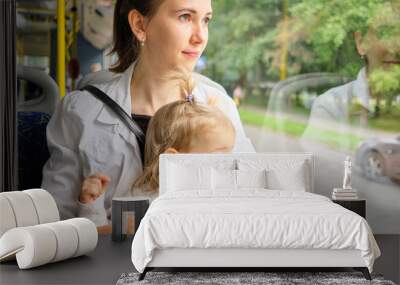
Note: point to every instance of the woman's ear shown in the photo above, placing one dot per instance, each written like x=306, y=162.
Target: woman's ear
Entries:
x=171, y=150
x=137, y=22
x=359, y=43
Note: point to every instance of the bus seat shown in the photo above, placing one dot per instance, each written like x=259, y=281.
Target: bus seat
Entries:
x=37, y=91
x=37, y=99
x=32, y=148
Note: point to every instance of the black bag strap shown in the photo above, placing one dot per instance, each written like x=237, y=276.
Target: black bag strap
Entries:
x=127, y=119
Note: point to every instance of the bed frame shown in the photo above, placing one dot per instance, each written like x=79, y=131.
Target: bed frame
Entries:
x=260, y=259
x=248, y=259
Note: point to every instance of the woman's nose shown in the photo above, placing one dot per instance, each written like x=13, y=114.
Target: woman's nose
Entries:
x=199, y=33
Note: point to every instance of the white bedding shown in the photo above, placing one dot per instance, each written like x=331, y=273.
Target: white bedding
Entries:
x=251, y=218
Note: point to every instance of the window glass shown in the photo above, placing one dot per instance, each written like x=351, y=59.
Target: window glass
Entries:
x=323, y=77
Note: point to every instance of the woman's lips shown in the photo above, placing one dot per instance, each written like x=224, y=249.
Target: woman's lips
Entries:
x=391, y=61
x=191, y=54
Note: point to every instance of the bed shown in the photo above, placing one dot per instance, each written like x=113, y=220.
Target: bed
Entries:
x=244, y=211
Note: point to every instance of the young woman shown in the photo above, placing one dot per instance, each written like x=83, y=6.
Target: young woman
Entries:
x=354, y=100
x=154, y=40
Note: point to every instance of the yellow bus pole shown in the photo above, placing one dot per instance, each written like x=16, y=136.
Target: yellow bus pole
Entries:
x=75, y=27
x=61, y=46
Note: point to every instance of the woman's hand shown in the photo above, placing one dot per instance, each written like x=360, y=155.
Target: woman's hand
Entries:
x=93, y=187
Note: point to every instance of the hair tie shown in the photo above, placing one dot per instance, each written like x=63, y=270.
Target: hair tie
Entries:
x=190, y=98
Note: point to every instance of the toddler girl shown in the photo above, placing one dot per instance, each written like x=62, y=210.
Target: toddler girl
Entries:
x=183, y=126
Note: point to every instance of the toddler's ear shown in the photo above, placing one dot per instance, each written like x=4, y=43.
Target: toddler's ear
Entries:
x=171, y=150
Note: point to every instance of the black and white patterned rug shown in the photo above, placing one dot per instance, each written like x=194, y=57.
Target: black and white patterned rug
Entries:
x=243, y=278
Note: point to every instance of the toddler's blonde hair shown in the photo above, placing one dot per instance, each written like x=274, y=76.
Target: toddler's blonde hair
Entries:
x=175, y=126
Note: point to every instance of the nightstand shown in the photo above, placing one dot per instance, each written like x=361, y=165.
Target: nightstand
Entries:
x=127, y=212
x=358, y=206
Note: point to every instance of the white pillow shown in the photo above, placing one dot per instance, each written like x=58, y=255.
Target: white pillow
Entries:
x=251, y=179
x=293, y=178
x=282, y=174
x=183, y=177
x=223, y=179
x=227, y=179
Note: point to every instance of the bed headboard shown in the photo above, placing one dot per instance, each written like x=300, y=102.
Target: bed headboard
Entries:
x=285, y=166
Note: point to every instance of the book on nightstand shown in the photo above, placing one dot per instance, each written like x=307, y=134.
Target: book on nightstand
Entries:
x=344, y=194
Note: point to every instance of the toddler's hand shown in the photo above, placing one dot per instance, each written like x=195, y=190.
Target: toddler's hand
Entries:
x=93, y=187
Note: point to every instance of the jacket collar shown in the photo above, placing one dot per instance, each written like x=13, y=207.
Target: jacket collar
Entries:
x=199, y=95
x=119, y=89
x=361, y=90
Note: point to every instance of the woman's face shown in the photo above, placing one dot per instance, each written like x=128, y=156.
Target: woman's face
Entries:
x=177, y=34
x=378, y=53
x=381, y=43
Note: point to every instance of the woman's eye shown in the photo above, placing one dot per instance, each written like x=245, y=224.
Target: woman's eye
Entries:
x=184, y=17
x=206, y=20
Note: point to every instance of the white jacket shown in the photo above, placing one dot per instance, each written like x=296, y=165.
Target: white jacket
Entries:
x=333, y=110
x=85, y=136
x=336, y=103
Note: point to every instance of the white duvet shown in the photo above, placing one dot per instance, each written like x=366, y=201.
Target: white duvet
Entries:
x=250, y=219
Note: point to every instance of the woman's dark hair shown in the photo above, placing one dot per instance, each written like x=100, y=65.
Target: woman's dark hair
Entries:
x=126, y=46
